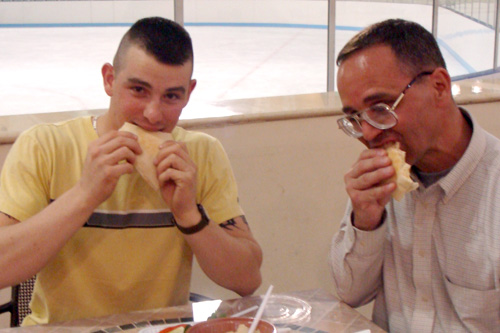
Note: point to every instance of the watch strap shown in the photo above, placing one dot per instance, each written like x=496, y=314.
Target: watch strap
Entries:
x=197, y=227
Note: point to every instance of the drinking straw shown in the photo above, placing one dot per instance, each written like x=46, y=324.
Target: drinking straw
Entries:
x=256, y=320
x=241, y=313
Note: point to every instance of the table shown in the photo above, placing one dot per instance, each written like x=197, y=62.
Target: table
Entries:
x=327, y=314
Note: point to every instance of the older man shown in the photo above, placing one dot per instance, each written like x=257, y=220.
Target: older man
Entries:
x=432, y=260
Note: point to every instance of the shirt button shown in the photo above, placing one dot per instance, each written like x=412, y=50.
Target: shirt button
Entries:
x=421, y=253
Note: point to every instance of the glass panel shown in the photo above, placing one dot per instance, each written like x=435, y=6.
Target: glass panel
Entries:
x=352, y=15
x=248, y=48
x=52, y=51
x=466, y=35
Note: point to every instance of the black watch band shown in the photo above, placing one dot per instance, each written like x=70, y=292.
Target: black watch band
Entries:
x=197, y=227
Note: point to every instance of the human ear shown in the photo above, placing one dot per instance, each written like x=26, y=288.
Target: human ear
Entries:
x=192, y=85
x=108, y=77
x=441, y=82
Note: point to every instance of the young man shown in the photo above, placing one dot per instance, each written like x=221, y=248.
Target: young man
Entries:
x=432, y=260
x=99, y=239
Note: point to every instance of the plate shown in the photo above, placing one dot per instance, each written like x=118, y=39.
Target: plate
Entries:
x=158, y=328
x=279, y=309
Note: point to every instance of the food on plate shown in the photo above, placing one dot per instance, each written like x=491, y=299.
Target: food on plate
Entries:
x=402, y=177
x=217, y=315
x=149, y=142
x=242, y=329
x=231, y=324
x=176, y=329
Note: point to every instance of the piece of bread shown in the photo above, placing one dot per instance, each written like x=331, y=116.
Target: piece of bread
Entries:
x=402, y=177
x=149, y=142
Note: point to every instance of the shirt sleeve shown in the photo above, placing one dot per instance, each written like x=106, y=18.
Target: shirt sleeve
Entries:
x=24, y=179
x=219, y=192
x=356, y=259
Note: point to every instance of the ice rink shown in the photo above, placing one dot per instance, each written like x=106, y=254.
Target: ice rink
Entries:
x=57, y=68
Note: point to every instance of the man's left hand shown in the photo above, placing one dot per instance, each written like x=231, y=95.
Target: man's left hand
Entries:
x=177, y=175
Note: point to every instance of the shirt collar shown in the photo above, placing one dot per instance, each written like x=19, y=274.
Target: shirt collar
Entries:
x=466, y=165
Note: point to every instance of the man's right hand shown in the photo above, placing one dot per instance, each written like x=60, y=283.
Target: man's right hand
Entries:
x=364, y=185
x=108, y=158
x=37, y=240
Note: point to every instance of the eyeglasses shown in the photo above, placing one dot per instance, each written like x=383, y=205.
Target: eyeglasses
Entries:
x=379, y=115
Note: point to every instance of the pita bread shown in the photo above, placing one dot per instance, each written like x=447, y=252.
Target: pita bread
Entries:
x=149, y=142
x=402, y=177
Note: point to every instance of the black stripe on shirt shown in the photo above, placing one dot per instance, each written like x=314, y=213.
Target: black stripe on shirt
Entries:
x=110, y=220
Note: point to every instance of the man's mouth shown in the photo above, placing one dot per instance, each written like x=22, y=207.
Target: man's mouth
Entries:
x=149, y=128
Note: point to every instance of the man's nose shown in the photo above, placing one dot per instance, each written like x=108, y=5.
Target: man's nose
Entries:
x=369, y=132
x=152, y=112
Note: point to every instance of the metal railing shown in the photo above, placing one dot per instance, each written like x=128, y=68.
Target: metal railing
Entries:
x=481, y=11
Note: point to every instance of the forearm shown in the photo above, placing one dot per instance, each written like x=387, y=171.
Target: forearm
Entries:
x=357, y=264
x=28, y=246
x=231, y=262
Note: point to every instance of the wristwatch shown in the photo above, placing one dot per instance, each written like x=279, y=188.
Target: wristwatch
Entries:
x=197, y=227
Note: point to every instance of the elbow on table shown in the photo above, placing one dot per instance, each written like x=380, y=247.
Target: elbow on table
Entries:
x=351, y=293
x=251, y=285
x=347, y=293
x=355, y=298
x=253, y=278
x=350, y=299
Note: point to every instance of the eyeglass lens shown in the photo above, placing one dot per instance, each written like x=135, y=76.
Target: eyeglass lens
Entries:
x=379, y=116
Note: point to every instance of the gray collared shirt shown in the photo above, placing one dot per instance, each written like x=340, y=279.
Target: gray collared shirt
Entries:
x=434, y=264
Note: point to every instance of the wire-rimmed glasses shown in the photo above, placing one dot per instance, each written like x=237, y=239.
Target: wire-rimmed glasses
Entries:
x=380, y=115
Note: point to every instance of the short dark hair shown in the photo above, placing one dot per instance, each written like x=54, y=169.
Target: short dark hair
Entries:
x=162, y=38
x=413, y=45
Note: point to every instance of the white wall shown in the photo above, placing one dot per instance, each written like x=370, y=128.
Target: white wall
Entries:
x=290, y=182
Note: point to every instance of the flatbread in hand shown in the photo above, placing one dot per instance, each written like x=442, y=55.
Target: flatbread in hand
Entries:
x=149, y=142
x=402, y=177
